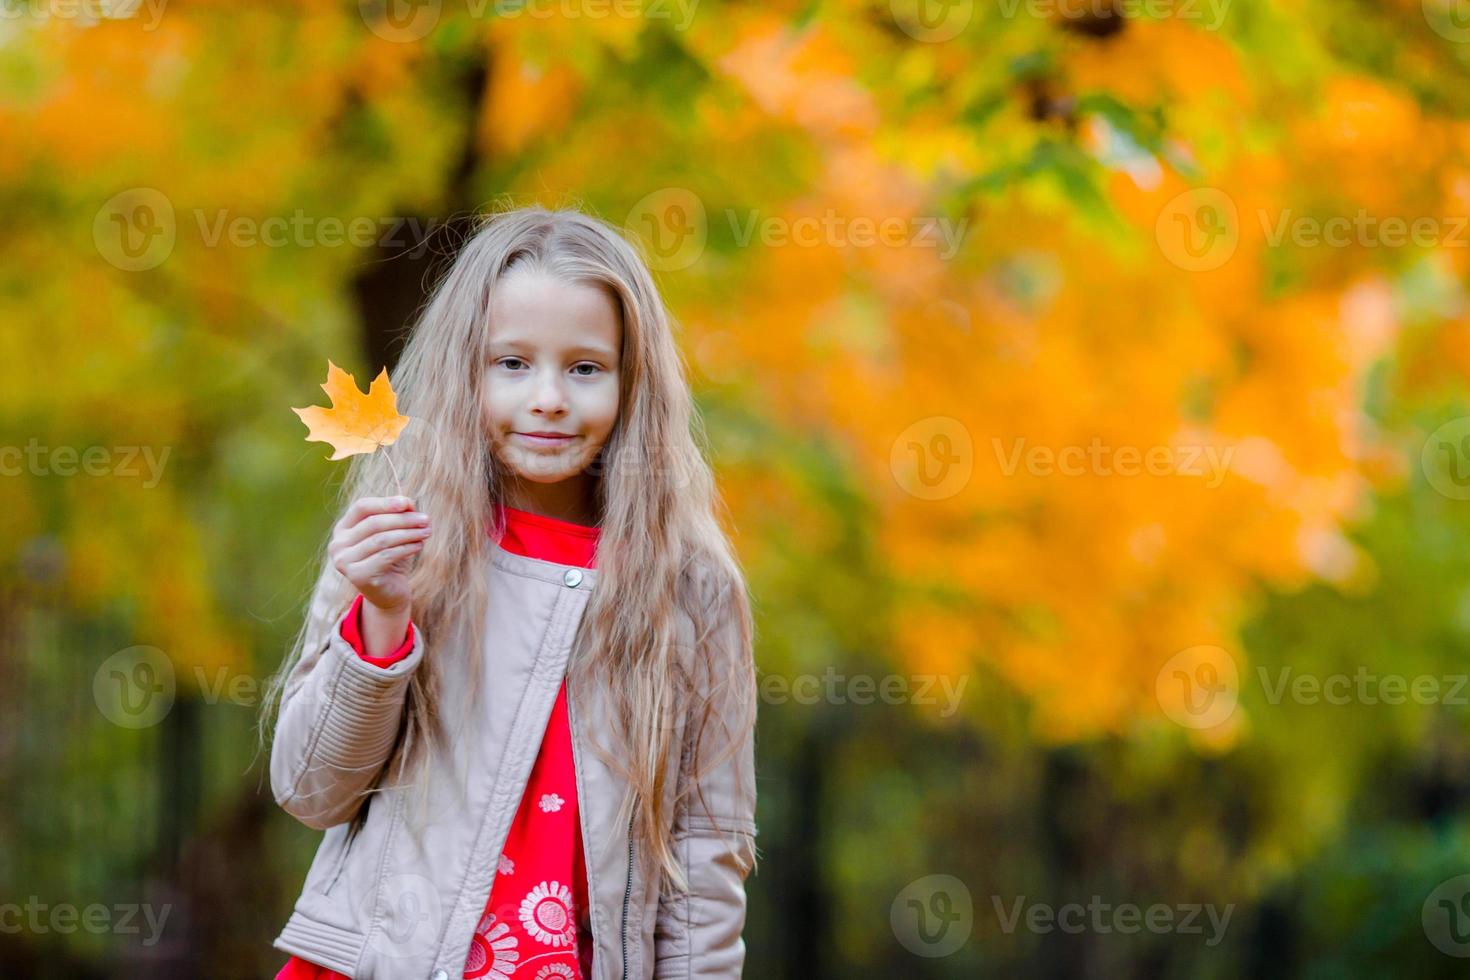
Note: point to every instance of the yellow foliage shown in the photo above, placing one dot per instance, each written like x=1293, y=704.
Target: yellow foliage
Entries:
x=524, y=100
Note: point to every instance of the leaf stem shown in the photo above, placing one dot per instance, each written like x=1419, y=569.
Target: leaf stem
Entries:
x=396, y=480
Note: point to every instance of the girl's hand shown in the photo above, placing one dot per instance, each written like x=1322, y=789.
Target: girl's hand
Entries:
x=373, y=547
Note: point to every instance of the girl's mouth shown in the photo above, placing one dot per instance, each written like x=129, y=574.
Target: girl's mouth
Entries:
x=544, y=438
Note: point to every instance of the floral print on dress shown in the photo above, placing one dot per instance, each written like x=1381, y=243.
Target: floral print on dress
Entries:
x=546, y=914
x=507, y=866
x=493, y=952
x=556, y=971
x=551, y=803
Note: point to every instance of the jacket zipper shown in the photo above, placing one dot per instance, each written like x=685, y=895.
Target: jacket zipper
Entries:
x=341, y=863
x=354, y=827
x=627, y=894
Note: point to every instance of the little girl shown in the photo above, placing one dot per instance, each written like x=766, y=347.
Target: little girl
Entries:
x=522, y=702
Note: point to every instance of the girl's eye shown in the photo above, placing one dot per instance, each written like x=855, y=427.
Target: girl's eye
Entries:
x=583, y=370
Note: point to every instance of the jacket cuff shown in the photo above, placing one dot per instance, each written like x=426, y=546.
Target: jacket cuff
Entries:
x=352, y=633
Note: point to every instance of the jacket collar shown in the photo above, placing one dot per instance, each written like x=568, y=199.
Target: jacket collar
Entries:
x=536, y=568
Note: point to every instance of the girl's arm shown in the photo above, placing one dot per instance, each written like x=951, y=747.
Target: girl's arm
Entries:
x=338, y=722
x=698, y=934
x=358, y=630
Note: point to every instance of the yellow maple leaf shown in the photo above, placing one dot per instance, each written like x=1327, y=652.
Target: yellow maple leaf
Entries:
x=356, y=423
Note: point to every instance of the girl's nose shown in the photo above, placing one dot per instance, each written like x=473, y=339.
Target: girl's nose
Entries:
x=549, y=396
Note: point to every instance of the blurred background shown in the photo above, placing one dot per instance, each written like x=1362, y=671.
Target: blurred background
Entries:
x=1086, y=379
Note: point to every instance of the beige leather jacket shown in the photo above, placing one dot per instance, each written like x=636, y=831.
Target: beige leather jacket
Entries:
x=394, y=903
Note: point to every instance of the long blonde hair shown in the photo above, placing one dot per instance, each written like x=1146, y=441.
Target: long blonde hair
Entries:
x=661, y=547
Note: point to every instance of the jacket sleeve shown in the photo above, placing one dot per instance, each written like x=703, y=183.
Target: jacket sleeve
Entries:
x=339, y=720
x=697, y=935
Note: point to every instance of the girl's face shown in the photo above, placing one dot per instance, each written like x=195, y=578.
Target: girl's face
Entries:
x=552, y=389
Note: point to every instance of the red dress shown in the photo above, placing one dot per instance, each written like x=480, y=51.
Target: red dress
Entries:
x=532, y=926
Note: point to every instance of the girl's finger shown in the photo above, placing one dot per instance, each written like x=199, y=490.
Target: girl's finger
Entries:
x=384, y=559
x=377, y=523
x=365, y=549
x=367, y=506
